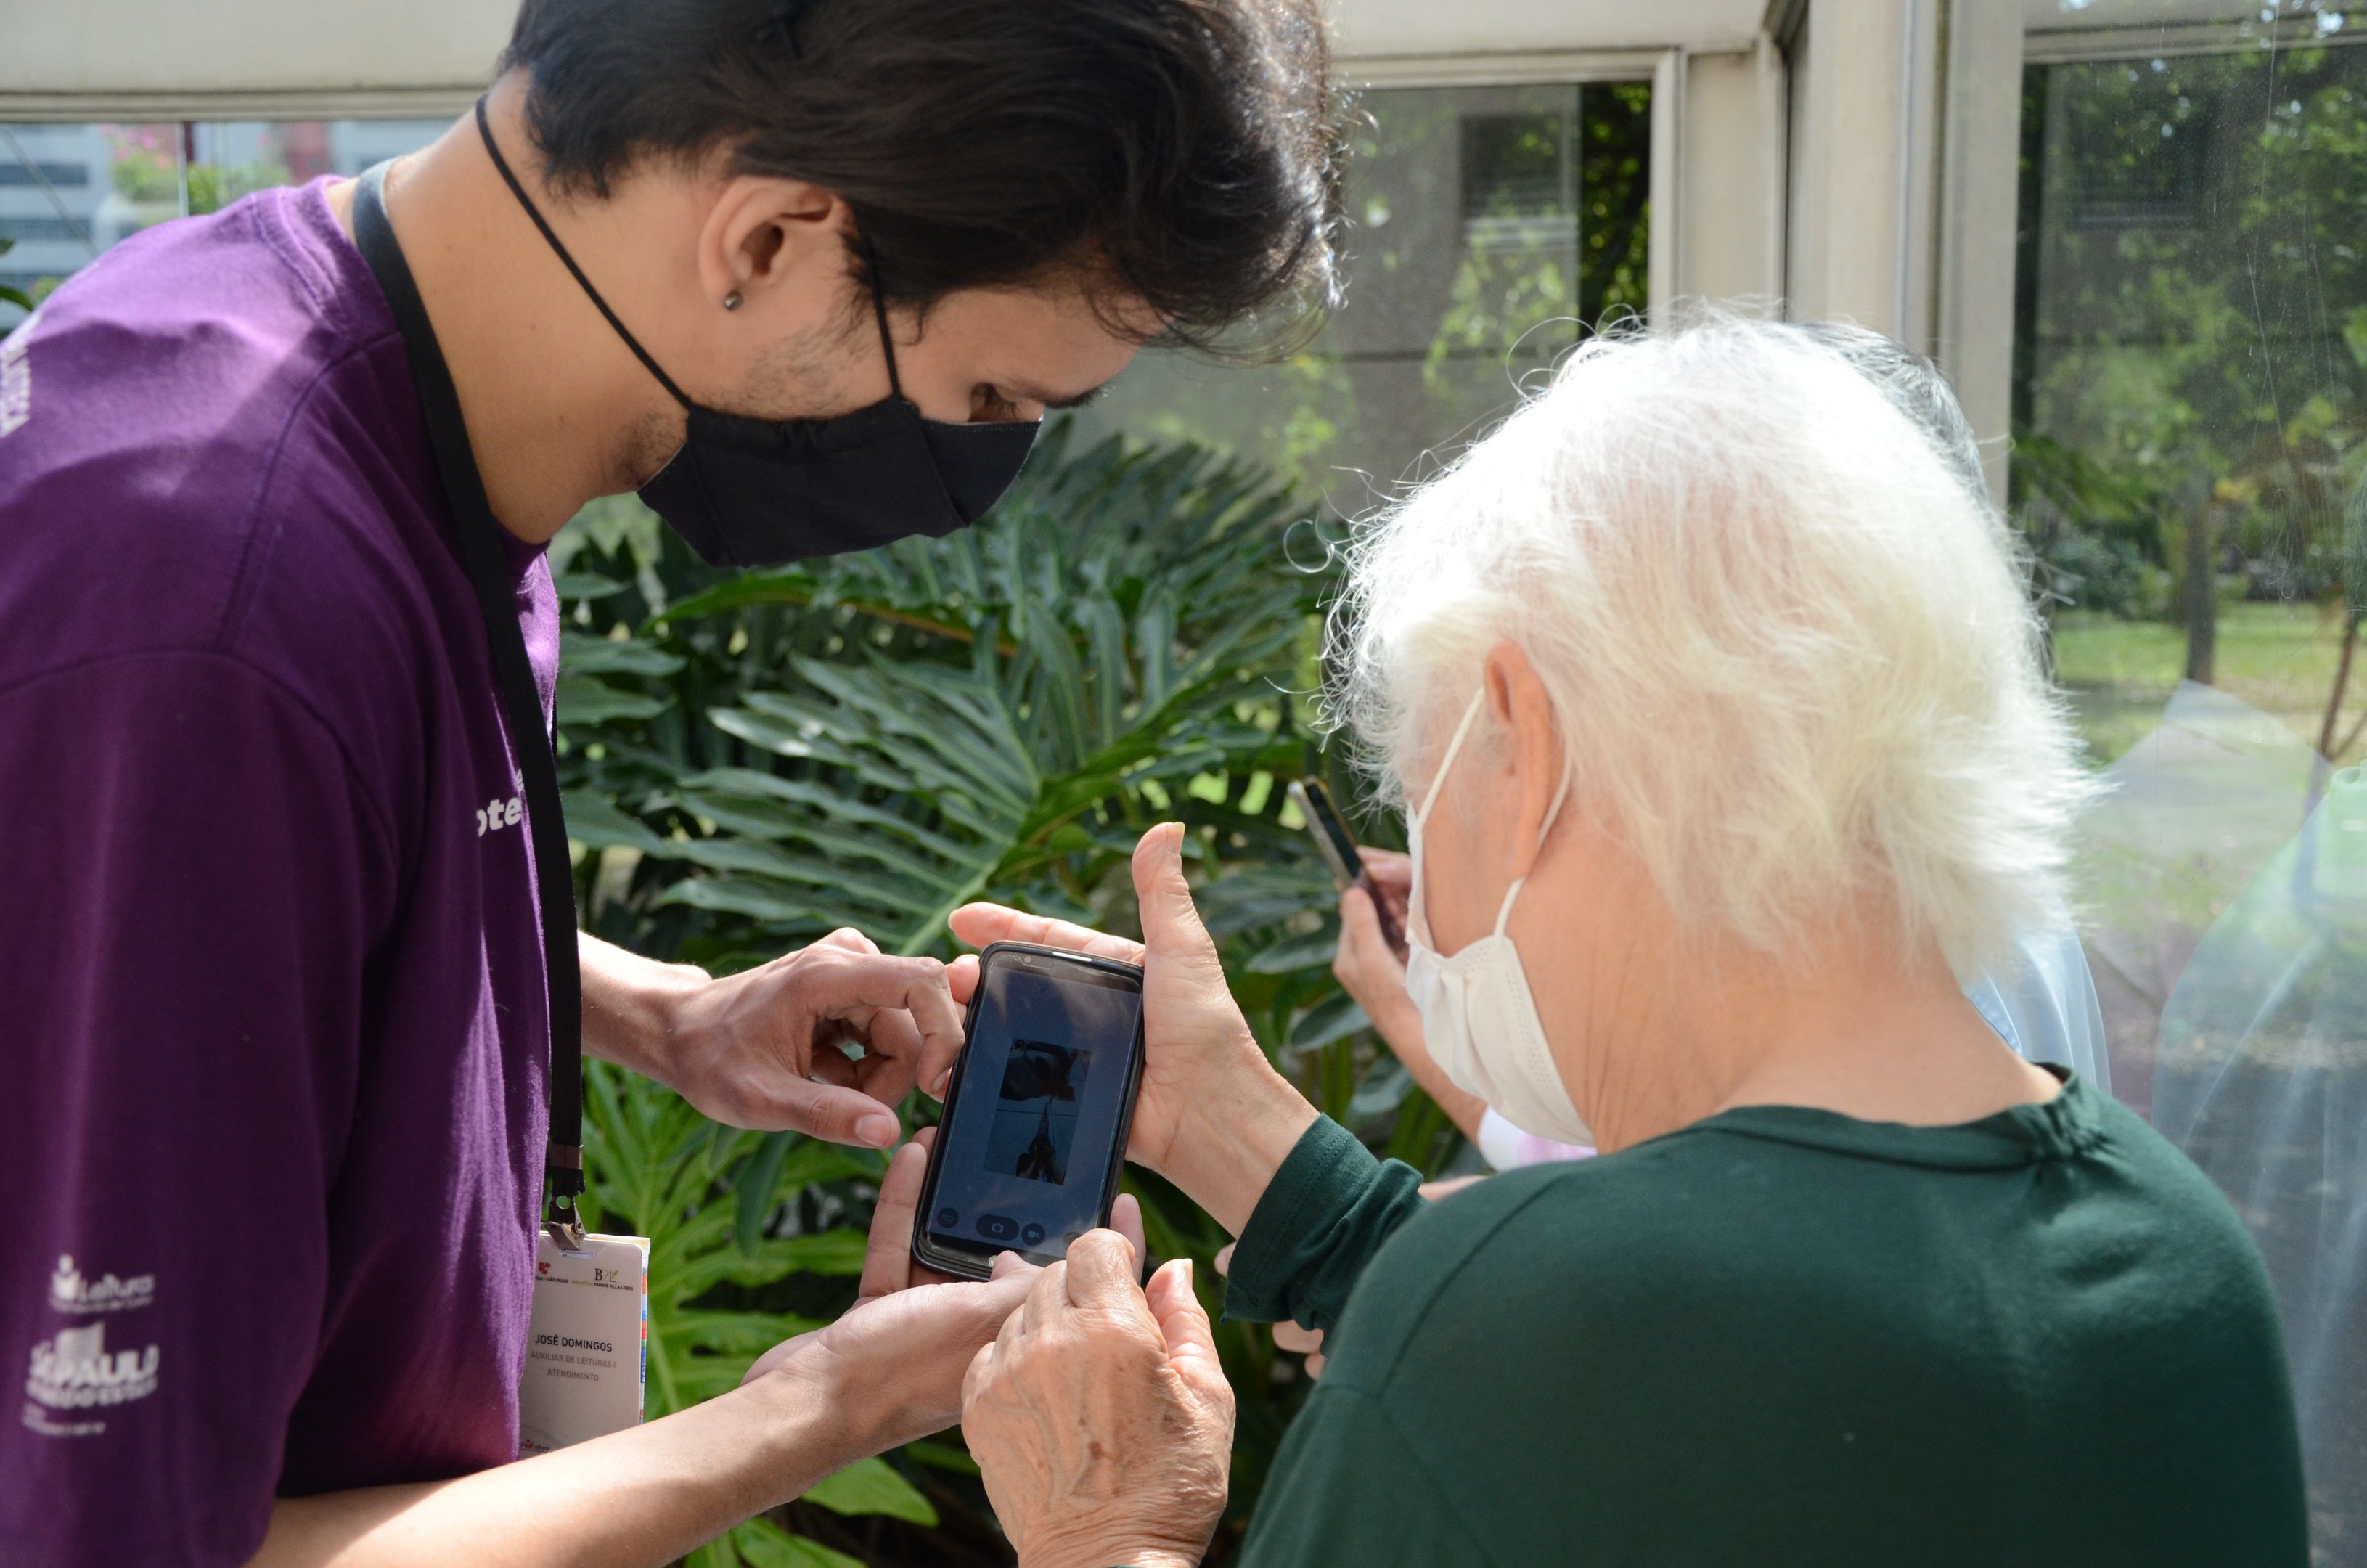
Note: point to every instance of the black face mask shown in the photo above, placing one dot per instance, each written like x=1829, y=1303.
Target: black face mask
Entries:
x=747, y=492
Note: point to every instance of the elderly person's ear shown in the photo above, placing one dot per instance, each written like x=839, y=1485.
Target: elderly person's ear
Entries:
x=1534, y=751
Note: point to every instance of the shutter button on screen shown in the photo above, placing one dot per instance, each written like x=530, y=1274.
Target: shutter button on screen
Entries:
x=1032, y=1234
x=995, y=1228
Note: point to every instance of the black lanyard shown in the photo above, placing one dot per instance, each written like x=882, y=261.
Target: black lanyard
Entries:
x=480, y=552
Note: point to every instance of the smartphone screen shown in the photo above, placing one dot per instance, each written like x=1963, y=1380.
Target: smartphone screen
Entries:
x=1027, y=1157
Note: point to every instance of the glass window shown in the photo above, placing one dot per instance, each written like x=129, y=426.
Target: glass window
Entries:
x=2192, y=344
x=2189, y=410
x=1490, y=228
x=67, y=192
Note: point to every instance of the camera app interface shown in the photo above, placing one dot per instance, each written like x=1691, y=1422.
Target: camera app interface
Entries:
x=1032, y=1131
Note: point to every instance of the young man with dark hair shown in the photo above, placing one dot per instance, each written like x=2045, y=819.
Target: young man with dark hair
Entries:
x=294, y=977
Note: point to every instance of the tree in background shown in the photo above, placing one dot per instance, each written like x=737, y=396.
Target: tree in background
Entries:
x=2191, y=336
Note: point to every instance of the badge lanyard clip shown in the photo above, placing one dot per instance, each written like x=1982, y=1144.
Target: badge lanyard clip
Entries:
x=531, y=744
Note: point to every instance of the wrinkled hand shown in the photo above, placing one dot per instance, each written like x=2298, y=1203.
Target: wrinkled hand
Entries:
x=1374, y=974
x=1101, y=1418
x=1203, y=1070
x=761, y=1049
x=893, y=1363
x=900, y=1353
x=1372, y=971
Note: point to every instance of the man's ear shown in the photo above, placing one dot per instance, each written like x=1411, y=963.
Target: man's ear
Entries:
x=1518, y=700
x=762, y=233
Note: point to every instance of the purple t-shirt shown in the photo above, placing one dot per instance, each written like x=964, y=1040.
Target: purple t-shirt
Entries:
x=272, y=1024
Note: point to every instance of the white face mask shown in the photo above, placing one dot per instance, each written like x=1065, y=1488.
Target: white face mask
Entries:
x=1478, y=1020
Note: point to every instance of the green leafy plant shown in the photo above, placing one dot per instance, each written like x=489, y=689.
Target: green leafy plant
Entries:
x=704, y=1194
x=752, y=760
x=10, y=296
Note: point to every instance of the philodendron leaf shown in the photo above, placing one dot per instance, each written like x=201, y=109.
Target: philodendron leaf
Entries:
x=1335, y=1017
x=760, y=1543
x=872, y=1486
x=1293, y=953
x=581, y=655
x=583, y=701
x=595, y=822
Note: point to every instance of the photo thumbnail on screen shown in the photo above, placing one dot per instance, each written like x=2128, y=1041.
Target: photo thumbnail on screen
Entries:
x=1036, y=1119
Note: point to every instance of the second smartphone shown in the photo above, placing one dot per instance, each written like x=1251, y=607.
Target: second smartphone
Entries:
x=1036, y=1112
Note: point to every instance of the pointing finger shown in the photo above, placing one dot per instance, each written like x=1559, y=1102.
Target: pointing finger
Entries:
x=1046, y=1299
x=1125, y=1219
x=1183, y=1321
x=914, y=985
x=831, y=1112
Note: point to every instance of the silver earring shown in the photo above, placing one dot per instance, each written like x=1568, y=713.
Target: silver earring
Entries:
x=731, y=300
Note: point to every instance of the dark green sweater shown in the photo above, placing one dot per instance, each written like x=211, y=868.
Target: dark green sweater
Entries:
x=1781, y=1336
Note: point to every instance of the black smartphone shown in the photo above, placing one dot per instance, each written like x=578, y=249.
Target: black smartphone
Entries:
x=1037, y=1110
x=1340, y=852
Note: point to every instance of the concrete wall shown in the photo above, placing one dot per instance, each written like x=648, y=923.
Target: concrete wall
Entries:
x=1980, y=174
x=173, y=59
x=1729, y=229
x=1862, y=130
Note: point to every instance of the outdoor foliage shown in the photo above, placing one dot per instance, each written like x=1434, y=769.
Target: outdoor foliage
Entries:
x=752, y=760
x=2193, y=328
x=9, y=296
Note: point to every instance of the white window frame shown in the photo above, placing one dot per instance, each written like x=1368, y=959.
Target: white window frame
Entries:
x=1664, y=68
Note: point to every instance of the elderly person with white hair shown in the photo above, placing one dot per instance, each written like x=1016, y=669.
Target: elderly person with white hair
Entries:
x=1718, y=708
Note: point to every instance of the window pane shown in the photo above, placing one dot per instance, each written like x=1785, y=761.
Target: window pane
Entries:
x=2190, y=441
x=67, y=192
x=1489, y=227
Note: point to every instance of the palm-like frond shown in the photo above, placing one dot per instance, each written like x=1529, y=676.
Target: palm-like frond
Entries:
x=873, y=740
x=1096, y=635
x=704, y=1194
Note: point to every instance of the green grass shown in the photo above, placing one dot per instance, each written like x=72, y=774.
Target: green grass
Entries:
x=2278, y=658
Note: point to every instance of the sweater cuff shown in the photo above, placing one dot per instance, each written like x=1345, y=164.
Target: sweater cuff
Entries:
x=1328, y=1170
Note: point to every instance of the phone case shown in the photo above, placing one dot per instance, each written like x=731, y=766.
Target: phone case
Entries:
x=970, y=1266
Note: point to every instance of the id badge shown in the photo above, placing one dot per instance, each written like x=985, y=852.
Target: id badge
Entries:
x=587, y=1352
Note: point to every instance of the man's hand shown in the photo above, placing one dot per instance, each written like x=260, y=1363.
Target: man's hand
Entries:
x=893, y=1363
x=761, y=1049
x=1213, y=1114
x=1101, y=1417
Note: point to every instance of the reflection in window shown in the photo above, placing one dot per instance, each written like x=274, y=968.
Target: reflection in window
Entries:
x=2191, y=357
x=1520, y=181
x=68, y=192
x=2190, y=468
x=2138, y=162
x=1490, y=229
